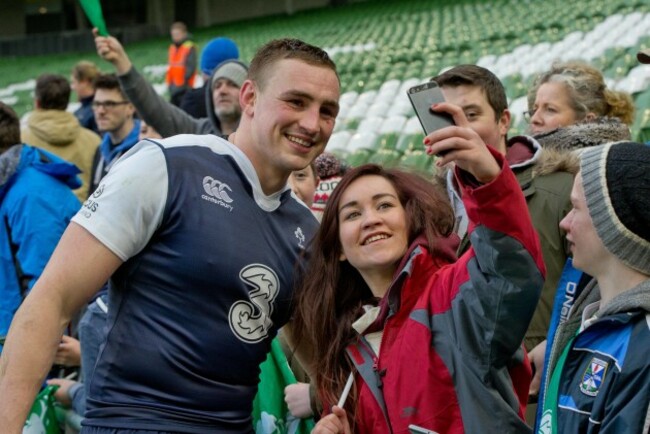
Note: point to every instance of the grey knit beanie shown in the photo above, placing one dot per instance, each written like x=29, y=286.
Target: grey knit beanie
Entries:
x=616, y=180
x=233, y=70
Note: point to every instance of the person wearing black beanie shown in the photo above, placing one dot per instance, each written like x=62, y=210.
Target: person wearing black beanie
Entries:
x=600, y=351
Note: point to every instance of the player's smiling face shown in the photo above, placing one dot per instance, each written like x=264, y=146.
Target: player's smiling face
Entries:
x=294, y=113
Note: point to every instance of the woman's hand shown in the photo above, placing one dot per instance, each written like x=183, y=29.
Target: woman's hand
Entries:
x=334, y=423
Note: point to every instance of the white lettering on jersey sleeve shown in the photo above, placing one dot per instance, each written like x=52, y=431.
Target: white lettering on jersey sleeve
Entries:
x=127, y=207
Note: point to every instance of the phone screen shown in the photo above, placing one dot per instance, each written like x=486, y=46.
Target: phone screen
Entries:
x=422, y=97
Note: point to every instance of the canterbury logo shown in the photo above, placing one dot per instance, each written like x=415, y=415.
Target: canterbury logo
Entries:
x=217, y=189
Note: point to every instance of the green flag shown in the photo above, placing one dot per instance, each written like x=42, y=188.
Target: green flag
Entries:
x=93, y=10
x=270, y=412
x=42, y=417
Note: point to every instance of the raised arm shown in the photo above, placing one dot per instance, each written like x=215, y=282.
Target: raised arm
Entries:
x=110, y=49
x=78, y=267
x=501, y=276
x=163, y=116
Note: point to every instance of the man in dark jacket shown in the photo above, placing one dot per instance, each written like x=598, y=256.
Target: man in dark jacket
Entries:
x=545, y=179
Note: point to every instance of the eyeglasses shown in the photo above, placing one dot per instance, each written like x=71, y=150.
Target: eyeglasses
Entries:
x=528, y=115
x=108, y=104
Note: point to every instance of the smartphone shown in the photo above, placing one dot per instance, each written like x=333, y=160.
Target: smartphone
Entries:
x=422, y=97
x=414, y=429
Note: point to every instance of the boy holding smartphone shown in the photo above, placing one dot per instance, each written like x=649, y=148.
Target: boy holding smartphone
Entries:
x=544, y=178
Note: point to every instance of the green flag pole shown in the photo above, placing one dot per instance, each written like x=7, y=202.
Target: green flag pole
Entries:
x=93, y=10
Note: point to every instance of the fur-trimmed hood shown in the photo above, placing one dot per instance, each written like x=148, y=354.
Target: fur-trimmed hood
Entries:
x=524, y=152
x=585, y=134
x=558, y=150
x=554, y=160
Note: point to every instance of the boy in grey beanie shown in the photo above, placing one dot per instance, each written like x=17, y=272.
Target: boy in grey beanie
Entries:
x=599, y=369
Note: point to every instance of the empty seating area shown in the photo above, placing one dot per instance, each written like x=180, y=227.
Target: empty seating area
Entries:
x=382, y=47
x=516, y=40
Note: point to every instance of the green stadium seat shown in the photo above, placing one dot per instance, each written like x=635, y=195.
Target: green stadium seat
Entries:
x=366, y=141
x=359, y=157
x=338, y=144
x=643, y=135
x=385, y=157
x=417, y=161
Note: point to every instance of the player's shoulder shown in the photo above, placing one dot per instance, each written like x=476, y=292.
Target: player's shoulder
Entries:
x=216, y=143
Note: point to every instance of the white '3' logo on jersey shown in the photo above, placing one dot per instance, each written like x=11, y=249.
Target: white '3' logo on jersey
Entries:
x=250, y=320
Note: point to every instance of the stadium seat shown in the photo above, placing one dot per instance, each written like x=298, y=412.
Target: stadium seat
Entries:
x=338, y=143
x=417, y=161
x=385, y=157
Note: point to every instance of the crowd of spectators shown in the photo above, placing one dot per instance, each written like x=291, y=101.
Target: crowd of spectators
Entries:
x=506, y=292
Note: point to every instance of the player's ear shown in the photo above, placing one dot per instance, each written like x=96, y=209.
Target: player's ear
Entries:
x=247, y=97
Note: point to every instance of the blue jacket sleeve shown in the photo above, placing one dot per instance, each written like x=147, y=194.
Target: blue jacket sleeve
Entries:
x=40, y=210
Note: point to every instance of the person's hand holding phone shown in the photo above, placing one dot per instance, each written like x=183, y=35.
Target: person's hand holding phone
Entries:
x=422, y=98
x=461, y=145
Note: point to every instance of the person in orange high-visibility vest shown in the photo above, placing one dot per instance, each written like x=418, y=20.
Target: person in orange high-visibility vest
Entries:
x=181, y=70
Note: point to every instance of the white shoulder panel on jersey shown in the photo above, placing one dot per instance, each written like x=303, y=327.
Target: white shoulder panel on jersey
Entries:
x=127, y=207
x=223, y=147
x=297, y=199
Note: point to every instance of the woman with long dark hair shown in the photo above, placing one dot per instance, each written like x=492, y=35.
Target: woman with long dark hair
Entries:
x=426, y=339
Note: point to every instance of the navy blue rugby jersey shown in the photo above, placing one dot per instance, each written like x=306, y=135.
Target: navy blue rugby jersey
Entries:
x=201, y=294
